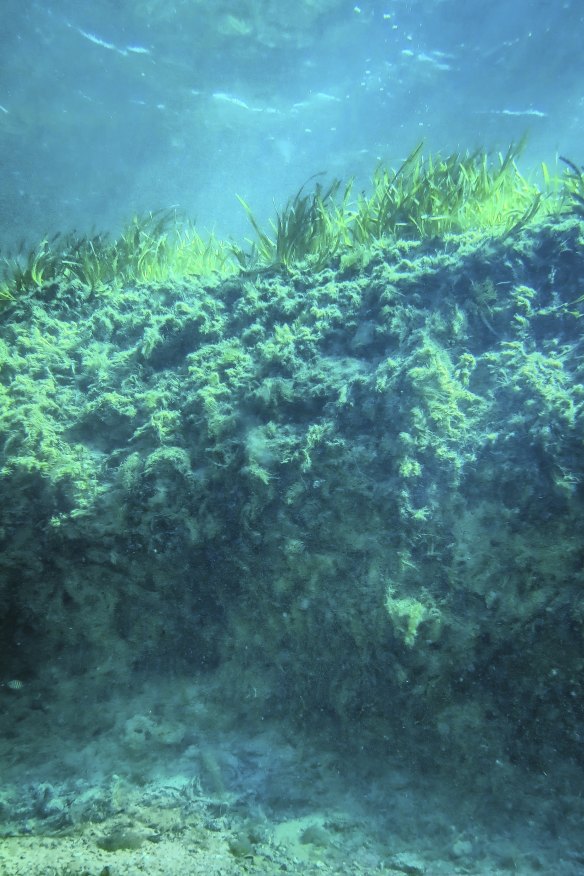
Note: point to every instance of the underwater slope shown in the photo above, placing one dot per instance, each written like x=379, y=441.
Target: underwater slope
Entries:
x=355, y=492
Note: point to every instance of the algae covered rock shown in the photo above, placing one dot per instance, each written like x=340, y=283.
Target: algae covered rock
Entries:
x=350, y=492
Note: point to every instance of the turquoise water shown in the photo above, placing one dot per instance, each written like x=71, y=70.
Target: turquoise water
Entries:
x=110, y=110
x=291, y=517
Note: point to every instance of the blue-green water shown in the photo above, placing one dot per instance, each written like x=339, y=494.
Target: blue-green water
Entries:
x=291, y=555
x=108, y=109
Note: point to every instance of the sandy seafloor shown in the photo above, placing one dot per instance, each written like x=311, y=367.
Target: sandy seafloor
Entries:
x=153, y=796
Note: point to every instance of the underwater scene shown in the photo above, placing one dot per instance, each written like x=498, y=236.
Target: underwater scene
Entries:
x=292, y=438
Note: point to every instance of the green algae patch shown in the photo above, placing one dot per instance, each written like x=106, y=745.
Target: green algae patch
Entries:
x=351, y=491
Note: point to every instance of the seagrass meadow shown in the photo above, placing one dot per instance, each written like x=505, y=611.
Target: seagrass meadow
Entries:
x=345, y=487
